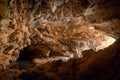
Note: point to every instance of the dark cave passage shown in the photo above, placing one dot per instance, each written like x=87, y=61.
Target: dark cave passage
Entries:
x=24, y=55
x=24, y=61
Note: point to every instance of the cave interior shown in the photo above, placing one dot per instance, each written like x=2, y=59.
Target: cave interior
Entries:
x=59, y=39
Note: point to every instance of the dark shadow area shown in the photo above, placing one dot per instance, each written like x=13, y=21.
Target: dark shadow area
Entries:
x=24, y=61
x=25, y=55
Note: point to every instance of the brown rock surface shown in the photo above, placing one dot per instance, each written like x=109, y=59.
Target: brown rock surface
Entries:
x=49, y=30
x=103, y=65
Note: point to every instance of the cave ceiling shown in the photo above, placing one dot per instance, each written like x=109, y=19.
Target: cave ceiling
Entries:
x=57, y=25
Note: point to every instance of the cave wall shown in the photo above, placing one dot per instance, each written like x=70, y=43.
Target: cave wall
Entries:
x=56, y=25
x=101, y=65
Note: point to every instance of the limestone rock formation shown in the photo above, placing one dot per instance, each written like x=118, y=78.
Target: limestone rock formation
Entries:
x=48, y=30
x=101, y=65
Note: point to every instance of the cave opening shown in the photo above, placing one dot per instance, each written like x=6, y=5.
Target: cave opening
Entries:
x=33, y=51
x=24, y=61
x=25, y=55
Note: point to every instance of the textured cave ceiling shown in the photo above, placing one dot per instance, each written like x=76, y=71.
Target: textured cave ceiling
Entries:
x=44, y=31
x=57, y=27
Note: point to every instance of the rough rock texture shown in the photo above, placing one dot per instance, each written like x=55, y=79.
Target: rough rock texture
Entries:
x=104, y=15
x=48, y=29
x=51, y=27
x=101, y=65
